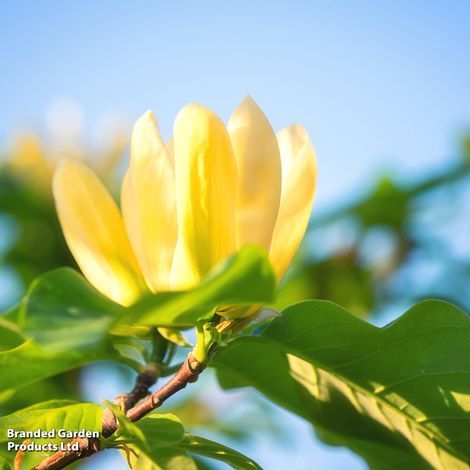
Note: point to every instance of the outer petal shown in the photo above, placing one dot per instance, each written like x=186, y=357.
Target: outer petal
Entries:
x=95, y=233
x=299, y=173
x=205, y=194
x=148, y=203
x=259, y=174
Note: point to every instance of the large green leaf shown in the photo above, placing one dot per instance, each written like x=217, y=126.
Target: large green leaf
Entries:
x=398, y=395
x=161, y=443
x=245, y=278
x=65, y=324
x=65, y=313
x=30, y=362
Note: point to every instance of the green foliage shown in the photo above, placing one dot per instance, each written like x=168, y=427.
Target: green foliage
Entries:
x=160, y=442
x=64, y=312
x=65, y=323
x=4, y=465
x=39, y=244
x=29, y=363
x=245, y=278
x=399, y=396
x=51, y=415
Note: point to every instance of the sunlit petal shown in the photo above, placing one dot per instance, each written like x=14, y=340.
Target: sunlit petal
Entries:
x=205, y=194
x=259, y=174
x=95, y=233
x=148, y=203
x=299, y=172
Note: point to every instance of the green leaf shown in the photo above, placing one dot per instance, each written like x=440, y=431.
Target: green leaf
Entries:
x=214, y=450
x=245, y=278
x=48, y=416
x=399, y=395
x=175, y=336
x=161, y=443
x=165, y=459
x=29, y=363
x=52, y=415
x=10, y=335
x=64, y=312
x=4, y=465
x=68, y=321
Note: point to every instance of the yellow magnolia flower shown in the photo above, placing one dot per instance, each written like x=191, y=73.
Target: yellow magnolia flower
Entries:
x=187, y=205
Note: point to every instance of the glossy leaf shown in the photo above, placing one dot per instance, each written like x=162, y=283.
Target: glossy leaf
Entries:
x=398, y=395
x=161, y=443
x=51, y=415
x=245, y=278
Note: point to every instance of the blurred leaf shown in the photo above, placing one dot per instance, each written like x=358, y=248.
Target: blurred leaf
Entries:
x=175, y=336
x=4, y=465
x=245, y=278
x=10, y=335
x=29, y=363
x=387, y=205
x=339, y=278
x=391, y=394
x=62, y=386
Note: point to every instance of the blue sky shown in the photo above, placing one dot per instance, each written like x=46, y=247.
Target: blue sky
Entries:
x=378, y=85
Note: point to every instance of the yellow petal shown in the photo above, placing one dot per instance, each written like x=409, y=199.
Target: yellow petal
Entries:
x=95, y=233
x=259, y=174
x=299, y=173
x=205, y=173
x=148, y=203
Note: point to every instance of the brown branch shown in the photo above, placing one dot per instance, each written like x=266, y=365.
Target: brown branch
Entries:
x=188, y=373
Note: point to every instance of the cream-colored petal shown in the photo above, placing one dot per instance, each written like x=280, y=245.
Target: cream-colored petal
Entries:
x=299, y=173
x=259, y=174
x=205, y=194
x=95, y=234
x=148, y=203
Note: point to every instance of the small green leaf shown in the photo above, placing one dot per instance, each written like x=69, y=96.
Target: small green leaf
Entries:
x=245, y=278
x=399, y=395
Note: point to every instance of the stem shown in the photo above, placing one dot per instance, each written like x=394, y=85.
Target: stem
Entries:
x=199, y=352
x=188, y=373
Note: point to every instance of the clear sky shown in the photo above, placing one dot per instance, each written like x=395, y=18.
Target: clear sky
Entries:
x=377, y=84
